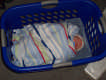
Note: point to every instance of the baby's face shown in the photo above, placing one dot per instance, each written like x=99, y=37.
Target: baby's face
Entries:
x=78, y=42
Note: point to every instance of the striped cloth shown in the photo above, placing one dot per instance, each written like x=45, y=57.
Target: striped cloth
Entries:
x=41, y=44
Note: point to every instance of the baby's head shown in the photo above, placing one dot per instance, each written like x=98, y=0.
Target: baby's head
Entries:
x=79, y=43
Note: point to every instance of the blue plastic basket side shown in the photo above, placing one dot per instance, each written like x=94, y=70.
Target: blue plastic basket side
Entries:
x=23, y=10
x=23, y=69
x=46, y=67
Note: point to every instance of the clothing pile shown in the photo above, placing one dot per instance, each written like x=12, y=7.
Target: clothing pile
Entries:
x=49, y=43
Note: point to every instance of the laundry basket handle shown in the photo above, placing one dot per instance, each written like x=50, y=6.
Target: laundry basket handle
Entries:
x=49, y=4
x=3, y=38
x=103, y=24
x=54, y=3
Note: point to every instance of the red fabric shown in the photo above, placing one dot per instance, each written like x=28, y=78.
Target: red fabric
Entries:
x=37, y=48
x=64, y=30
x=67, y=37
x=14, y=40
x=72, y=49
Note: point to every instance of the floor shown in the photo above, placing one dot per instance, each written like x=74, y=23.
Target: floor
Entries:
x=68, y=73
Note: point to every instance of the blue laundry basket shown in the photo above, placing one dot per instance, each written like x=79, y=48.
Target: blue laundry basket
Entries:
x=87, y=11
